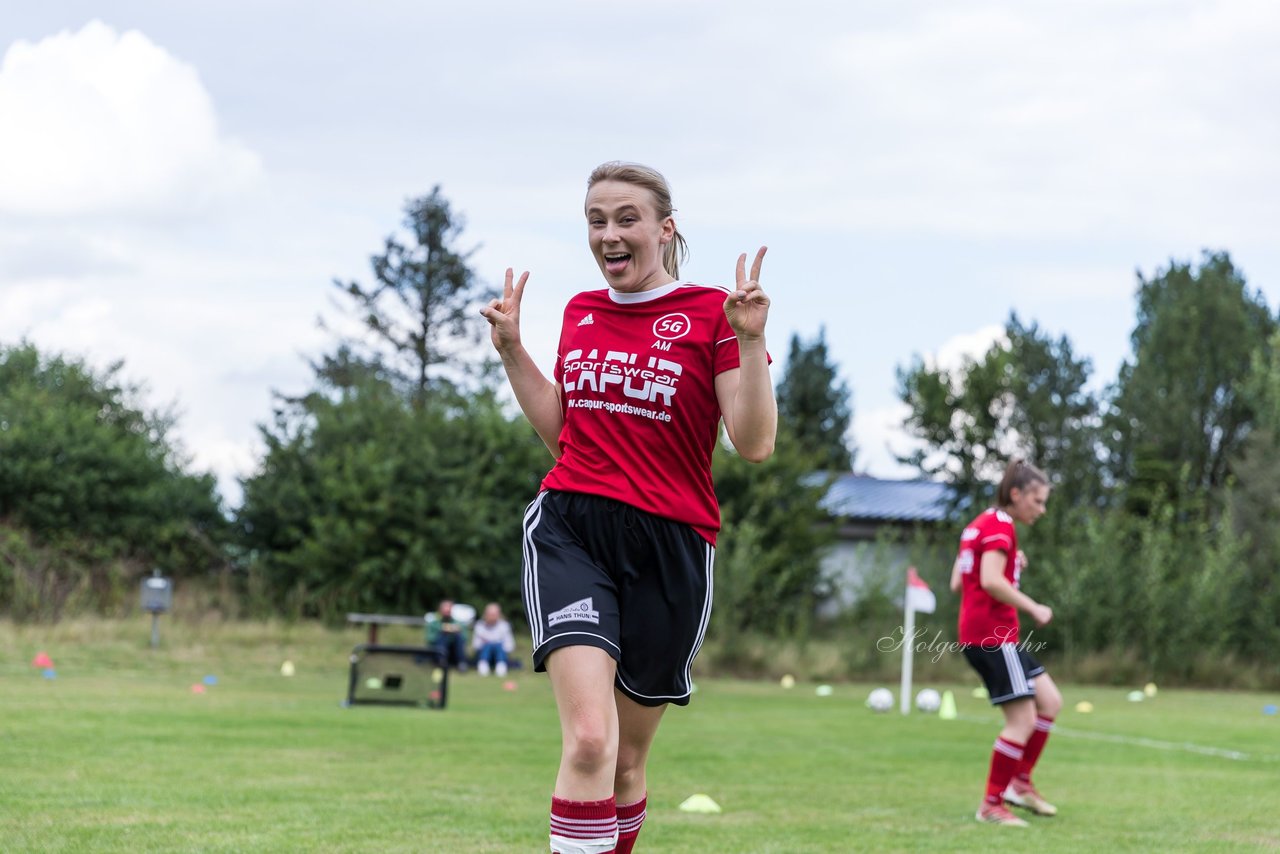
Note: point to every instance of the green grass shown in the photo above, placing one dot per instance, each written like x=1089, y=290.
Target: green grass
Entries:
x=117, y=755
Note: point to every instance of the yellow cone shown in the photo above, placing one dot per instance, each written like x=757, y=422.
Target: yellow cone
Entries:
x=700, y=803
x=947, y=711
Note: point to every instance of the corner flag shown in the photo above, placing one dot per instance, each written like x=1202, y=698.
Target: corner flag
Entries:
x=919, y=596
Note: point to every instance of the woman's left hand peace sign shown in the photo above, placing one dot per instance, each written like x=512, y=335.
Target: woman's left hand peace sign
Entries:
x=747, y=307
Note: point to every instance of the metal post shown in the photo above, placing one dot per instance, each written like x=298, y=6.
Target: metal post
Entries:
x=908, y=642
x=155, y=629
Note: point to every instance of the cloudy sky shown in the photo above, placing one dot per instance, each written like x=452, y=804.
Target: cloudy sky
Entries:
x=180, y=183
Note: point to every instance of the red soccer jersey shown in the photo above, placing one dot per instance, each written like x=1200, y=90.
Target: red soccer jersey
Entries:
x=637, y=376
x=985, y=620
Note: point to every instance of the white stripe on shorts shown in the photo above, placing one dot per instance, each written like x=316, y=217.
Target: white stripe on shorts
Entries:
x=708, y=562
x=1017, y=676
x=532, y=602
x=584, y=634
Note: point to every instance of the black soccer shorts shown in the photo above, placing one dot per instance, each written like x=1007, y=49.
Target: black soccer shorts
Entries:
x=1007, y=670
x=598, y=572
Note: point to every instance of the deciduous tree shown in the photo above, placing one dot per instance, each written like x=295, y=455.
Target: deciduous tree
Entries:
x=88, y=472
x=1178, y=417
x=1027, y=396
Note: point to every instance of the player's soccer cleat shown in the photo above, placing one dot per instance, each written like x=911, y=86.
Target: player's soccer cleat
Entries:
x=998, y=814
x=483, y=668
x=1025, y=795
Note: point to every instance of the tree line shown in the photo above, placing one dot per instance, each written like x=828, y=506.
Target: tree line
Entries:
x=399, y=477
x=1159, y=553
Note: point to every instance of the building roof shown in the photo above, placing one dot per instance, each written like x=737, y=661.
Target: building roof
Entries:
x=856, y=496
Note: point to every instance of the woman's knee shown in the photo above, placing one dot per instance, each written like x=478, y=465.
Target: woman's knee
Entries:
x=630, y=766
x=637, y=727
x=1048, y=698
x=591, y=743
x=582, y=678
x=630, y=778
x=1019, y=719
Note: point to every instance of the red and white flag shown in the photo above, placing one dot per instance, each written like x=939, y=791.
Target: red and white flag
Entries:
x=919, y=596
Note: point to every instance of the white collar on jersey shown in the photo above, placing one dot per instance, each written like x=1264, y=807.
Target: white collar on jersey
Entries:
x=645, y=296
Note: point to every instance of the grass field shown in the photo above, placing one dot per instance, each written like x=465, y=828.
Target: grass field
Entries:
x=118, y=755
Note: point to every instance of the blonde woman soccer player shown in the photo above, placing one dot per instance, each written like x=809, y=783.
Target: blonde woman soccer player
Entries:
x=987, y=573
x=619, y=544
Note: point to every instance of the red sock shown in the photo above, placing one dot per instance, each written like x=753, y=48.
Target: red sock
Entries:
x=1035, y=745
x=630, y=817
x=583, y=822
x=1005, y=757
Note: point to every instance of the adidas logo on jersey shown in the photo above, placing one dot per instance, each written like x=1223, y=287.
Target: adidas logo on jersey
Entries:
x=587, y=321
x=580, y=611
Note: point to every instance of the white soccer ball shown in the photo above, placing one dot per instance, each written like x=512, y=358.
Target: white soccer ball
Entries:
x=880, y=700
x=928, y=700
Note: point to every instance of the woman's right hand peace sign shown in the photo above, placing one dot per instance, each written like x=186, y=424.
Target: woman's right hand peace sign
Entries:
x=504, y=314
x=747, y=307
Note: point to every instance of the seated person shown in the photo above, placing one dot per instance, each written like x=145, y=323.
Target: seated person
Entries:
x=447, y=635
x=492, y=640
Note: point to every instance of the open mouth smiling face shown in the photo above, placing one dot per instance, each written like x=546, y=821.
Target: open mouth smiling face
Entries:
x=615, y=263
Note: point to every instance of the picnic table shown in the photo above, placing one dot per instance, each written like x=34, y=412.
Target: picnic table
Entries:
x=375, y=620
x=399, y=675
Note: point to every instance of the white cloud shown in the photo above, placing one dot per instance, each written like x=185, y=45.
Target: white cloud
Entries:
x=229, y=460
x=22, y=306
x=880, y=439
x=917, y=169
x=993, y=118
x=211, y=359
x=1103, y=284
x=60, y=253
x=878, y=432
x=965, y=347
x=97, y=122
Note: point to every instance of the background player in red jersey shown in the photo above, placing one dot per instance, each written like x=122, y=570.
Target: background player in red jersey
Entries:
x=987, y=573
x=619, y=543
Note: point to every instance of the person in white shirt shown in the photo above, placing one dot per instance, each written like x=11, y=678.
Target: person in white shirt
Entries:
x=492, y=640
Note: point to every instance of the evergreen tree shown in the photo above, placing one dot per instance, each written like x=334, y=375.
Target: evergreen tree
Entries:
x=420, y=311
x=815, y=404
x=393, y=483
